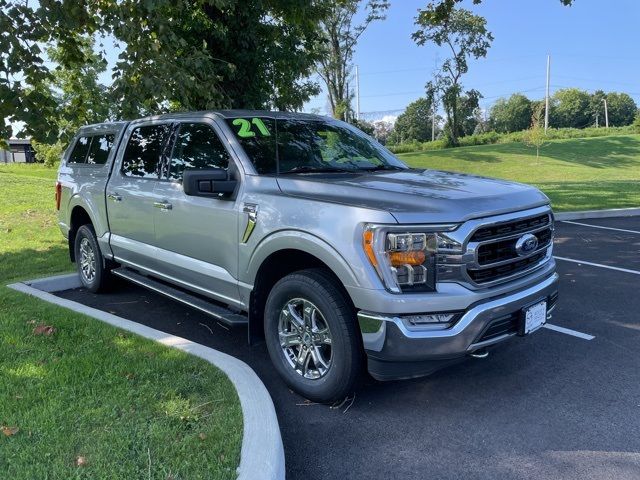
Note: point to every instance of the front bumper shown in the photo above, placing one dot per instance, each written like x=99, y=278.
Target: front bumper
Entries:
x=395, y=350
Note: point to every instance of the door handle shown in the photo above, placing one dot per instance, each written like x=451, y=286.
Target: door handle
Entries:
x=115, y=197
x=163, y=205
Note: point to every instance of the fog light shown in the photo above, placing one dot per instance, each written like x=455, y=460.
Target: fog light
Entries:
x=433, y=318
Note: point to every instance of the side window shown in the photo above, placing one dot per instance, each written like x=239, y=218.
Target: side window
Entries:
x=100, y=148
x=197, y=146
x=80, y=149
x=142, y=155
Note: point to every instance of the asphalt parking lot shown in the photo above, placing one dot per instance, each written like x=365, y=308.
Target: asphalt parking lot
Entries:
x=548, y=406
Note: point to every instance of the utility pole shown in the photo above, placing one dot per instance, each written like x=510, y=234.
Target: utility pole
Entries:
x=347, y=110
x=357, y=94
x=434, y=102
x=546, y=100
x=606, y=113
x=433, y=121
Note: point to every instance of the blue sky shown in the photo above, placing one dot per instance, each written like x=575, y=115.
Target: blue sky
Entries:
x=593, y=45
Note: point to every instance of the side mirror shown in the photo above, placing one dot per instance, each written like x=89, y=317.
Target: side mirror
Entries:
x=210, y=182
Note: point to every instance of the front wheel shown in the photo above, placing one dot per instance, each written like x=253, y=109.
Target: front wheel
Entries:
x=312, y=337
x=91, y=266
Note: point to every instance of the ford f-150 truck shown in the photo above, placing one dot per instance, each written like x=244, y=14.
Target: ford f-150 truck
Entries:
x=312, y=235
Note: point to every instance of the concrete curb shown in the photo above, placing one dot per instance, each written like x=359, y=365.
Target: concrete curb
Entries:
x=262, y=454
x=611, y=213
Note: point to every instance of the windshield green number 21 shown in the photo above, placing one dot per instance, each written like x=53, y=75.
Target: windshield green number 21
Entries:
x=246, y=126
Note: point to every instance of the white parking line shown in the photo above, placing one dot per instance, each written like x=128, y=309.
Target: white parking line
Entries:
x=600, y=226
x=568, y=331
x=609, y=267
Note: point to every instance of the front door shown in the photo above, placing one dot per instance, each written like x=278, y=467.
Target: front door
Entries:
x=197, y=237
x=131, y=201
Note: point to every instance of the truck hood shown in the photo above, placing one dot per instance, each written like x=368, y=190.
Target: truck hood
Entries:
x=417, y=196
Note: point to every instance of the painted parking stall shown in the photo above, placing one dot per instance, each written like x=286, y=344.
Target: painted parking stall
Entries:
x=560, y=403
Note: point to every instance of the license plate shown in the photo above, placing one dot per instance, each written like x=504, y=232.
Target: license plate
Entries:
x=534, y=317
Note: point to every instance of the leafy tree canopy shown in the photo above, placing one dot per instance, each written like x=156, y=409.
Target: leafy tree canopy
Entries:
x=622, y=109
x=466, y=36
x=415, y=123
x=340, y=34
x=442, y=10
x=177, y=54
x=512, y=114
x=570, y=108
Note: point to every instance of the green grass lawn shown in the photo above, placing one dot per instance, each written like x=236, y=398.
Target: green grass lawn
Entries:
x=576, y=174
x=89, y=400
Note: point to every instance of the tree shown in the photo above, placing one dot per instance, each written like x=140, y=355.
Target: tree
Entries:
x=512, y=114
x=415, y=123
x=80, y=99
x=366, y=127
x=184, y=55
x=570, y=108
x=636, y=122
x=466, y=36
x=339, y=39
x=535, y=136
x=596, y=107
x=49, y=154
x=469, y=112
x=622, y=109
x=442, y=10
x=217, y=54
x=382, y=130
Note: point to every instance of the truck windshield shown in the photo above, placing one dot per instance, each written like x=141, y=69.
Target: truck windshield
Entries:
x=286, y=146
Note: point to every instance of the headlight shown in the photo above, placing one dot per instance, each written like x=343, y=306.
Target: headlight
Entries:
x=404, y=260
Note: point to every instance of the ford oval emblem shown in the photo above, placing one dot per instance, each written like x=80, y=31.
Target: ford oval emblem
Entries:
x=526, y=244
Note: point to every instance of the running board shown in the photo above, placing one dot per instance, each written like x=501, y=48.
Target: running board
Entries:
x=218, y=312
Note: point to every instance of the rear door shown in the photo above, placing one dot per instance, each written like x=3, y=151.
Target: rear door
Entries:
x=131, y=197
x=197, y=237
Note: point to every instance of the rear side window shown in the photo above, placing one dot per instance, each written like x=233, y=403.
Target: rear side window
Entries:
x=79, y=152
x=100, y=148
x=142, y=155
x=197, y=146
x=92, y=149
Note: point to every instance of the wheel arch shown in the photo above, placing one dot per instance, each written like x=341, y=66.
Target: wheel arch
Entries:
x=79, y=216
x=285, y=254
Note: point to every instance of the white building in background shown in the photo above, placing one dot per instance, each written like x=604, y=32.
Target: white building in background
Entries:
x=20, y=151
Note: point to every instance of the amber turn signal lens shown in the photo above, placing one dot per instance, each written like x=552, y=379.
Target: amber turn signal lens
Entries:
x=407, y=258
x=367, y=241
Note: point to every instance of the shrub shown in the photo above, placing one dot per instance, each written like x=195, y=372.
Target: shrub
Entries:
x=49, y=154
x=489, y=138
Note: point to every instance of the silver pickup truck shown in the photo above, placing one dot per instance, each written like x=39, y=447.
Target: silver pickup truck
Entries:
x=312, y=235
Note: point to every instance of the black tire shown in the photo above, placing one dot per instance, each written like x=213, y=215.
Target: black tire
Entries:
x=96, y=279
x=318, y=287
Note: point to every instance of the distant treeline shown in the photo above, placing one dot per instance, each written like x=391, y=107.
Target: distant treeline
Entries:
x=489, y=138
x=569, y=108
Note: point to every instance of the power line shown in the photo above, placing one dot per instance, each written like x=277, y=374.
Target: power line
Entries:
x=581, y=79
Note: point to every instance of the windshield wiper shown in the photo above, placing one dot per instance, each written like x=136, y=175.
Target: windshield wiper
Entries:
x=382, y=167
x=309, y=169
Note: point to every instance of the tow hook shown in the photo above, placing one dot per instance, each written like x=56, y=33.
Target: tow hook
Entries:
x=481, y=353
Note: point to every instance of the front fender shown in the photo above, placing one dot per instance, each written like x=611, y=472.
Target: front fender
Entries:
x=305, y=242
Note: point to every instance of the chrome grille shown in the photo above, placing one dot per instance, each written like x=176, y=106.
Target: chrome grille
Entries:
x=496, y=273
x=482, y=252
x=509, y=228
x=500, y=250
x=495, y=247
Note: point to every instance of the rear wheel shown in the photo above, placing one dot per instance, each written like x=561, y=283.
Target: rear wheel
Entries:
x=91, y=266
x=312, y=337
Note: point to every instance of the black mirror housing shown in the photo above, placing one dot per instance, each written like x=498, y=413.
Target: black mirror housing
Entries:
x=210, y=182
